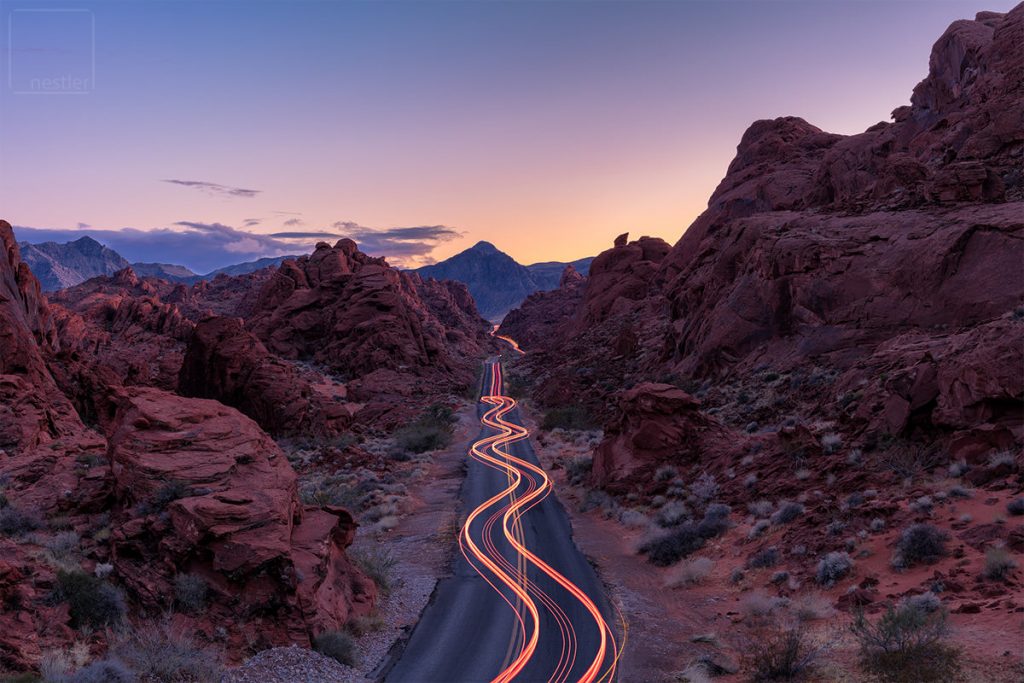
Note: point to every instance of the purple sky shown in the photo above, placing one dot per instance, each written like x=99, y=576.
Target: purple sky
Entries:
x=546, y=128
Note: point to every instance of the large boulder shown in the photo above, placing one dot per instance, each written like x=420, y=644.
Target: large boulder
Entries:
x=200, y=489
x=657, y=424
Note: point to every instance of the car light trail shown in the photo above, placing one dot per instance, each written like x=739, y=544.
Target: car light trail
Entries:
x=527, y=486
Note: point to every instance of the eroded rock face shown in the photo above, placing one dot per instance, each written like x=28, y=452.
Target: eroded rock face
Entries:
x=657, y=424
x=201, y=489
x=545, y=317
x=355, y=315
x=227, y=363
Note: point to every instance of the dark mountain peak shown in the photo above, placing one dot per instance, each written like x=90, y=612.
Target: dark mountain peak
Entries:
x=87, y=242
x=483, y=247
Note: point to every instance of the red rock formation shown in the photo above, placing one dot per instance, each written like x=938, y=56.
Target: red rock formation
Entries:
x=226, y=362
x=233, y=518
x=656, y=424
x=355, y=315
x=544, y=319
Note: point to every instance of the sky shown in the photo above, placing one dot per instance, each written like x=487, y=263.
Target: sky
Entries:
x=209, y=133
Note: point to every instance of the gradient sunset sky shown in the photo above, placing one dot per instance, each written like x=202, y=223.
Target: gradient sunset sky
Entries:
x=420, y=128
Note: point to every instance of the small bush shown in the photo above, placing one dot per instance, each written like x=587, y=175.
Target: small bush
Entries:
x=767, y=557
x=567, y=417
x=760, y=508
x=757, y=604
x=715, y=522
x=877, y=524
x=759, y=527
x=190, y=593
x=14, y=522
x=1016, y=507
x=959, y=491
x=578, y=469
x=690, y=572
x=924, y=602
x=672, y=514
x=780, y=653
x=831, y=443
x=665, y=473
x=812, y=606
x=833, y=567
x=337, y=645
x=998, y=564
x=835, y=527
x=63, y=546
x=91, y=601
x=920, y=543
x=104, y=671
x=161, y=653
x=1003, y=459
x=378, y=564
x=165, y=495
x=674, y=546
x=906, y=645
x=705, y=488
x=787, y=512
x=923, y=505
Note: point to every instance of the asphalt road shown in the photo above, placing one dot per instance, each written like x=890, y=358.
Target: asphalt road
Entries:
x=523, y=604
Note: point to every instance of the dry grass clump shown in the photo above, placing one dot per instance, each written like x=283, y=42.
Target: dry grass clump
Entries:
x=690, y=573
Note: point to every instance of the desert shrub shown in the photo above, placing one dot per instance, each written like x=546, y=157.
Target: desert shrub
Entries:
x=91, y=601
x=812, y=606
x=736, y=575
x=757, y=605
x=670, y=548
x=998, y=564
x=161, y=653
x=190, y=593
x=906, y=645
x=759, y=527
x=831, y=443
x=103, y=671
x=833, y=567
x=63, y=546
x=332, y=490
x=958, y=468
x=360, y=626
x=835, y=527
x=337, y=645
x=958, y=491
x=787, y=512
x=715, y=522
x=920, y=543
x=103, y=570
x=877, y=524
x=574, y=416
x=168, y=492
x=378, y=564
x=780, y=577
x=690, y=572
x=760, y=508
x=431, y=431
x=1003, y=458
x=766, y=557
x=578, y=469
x=780, y=653
x=705, y=487
x=923, y=505
x=15, y=522
x=1016, y=507
x=924, y=602
x=672, y=514
x=665, y=473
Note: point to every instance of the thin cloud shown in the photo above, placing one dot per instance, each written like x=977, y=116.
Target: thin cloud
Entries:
x=204, y=247
x=215, y=189
x=294, y=221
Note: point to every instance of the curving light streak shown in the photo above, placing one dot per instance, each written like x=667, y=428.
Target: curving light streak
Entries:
x=528, y=485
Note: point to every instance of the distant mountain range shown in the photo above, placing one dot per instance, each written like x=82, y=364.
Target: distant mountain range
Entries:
x=496, y=280
x=64, y=265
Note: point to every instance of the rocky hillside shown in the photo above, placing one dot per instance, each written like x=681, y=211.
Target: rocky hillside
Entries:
x=62, y=265
x=139, y=476
x=497, y=282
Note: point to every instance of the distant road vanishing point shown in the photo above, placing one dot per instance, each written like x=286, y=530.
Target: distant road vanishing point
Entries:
x=523, y=604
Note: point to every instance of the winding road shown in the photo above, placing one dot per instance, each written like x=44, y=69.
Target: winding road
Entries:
x=523, y=604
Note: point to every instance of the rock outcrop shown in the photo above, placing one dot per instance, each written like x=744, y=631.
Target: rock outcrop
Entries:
x=544, y=318
x=355, y=315
x=200, y=489
x=656, y=424
x=226, y=362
